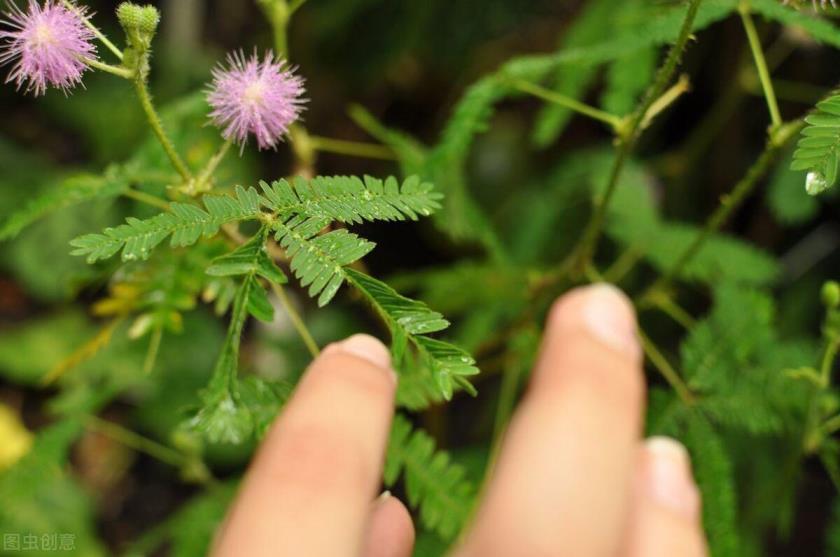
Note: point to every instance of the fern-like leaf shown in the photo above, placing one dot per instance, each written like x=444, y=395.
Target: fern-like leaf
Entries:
x=818, y=151
x=351, y=200
x=410, y=320
x=433, y=482
x=319, y=261
x=184, y=223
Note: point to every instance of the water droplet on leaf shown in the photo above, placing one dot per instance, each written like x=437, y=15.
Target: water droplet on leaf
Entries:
x=815, y=183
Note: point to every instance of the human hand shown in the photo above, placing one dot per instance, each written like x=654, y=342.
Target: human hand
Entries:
x=573, y=478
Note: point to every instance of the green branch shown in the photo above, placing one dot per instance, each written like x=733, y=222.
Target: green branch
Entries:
x=157, y=127
x=760, y=64
x=628, y=138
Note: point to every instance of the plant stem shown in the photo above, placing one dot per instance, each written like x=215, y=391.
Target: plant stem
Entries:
x=665, y=368
x=111, y=69
x=202, y=183
x=553, y=97
x=728, y=205
x=278, y=14
x=97, y=33
x=760, y=64
x=136, y=441
x=157, y=127
x=628, y=137
x=297, y=320
x=351, y=148
x=146, y=198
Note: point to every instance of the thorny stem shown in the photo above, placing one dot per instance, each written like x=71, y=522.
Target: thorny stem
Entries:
x=728, y=205
x=157, y=127
x=760, y=64
x=628, y=138
x=553, y=97
x=97, y=33
x=297, y=320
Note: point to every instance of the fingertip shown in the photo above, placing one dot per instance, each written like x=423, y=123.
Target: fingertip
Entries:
x=391, y=530
x=667, y=478
x=602, y=311
x=368, y=348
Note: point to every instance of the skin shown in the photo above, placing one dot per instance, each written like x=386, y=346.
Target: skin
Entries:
x=574, y=476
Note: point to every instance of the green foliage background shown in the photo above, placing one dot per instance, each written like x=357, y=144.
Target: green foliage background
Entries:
x=131, y=451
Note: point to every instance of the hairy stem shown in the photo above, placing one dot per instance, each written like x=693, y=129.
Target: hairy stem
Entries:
x=96, y=32
x=115, y=70
x=628, y=138
x=297, y=320
x=157, y=127
x=760, y=64
x=728, y=205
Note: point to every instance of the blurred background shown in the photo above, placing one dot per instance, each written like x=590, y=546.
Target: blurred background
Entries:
x=407, y=62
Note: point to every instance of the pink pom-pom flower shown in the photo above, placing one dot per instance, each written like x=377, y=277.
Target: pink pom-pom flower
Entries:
x=255, y=97
x=49, y=43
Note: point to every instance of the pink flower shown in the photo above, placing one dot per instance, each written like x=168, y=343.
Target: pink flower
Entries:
x=49, y=42
x=256, y=97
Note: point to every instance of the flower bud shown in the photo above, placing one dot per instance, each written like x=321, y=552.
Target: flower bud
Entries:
x=831, y=294
x=139, y=22
x=129, y=15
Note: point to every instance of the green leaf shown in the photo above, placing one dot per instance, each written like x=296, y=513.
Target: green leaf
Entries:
x=737, y=364
x=72, y=190
x=714, y=475
x=349, y=199
x=818, y=150
x=250, y=258
x=410, y=320
x=819, y=29
x=264, y=399
x=319, y=261
x=433, y=482
x=184, y=223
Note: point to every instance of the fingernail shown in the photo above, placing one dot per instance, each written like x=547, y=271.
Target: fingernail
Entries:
x=384, y=496
x=668, y=479
x=609, y=316
x=368, y=348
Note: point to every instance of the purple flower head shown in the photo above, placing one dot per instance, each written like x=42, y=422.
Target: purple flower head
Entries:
x=249, y=96
x=49, y=43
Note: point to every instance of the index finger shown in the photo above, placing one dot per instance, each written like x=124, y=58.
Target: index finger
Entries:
x=309, y=489
x=562, y=484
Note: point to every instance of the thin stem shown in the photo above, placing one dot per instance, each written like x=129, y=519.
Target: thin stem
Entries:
x=153, y=350
x=669, y=97
x=665, y=368
x=728, y=205
x=202, y=183
x=111, y=69
x=97, y=33
x=553, y=97
x=146, y=198
x=297, y=320
x=157, y=128
x=629, y=135
x=136, y=441
x=675, y=312
x=760, y=64
x=625, y=262
x=351, y=148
